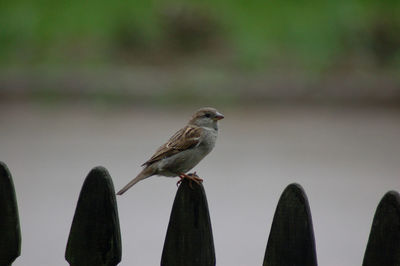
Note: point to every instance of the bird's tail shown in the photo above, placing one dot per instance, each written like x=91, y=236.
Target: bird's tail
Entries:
x=142, y=175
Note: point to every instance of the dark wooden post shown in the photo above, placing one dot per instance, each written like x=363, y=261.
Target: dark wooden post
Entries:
x=95, y=237
x=291, y=240
x=10, y=233
x=189, y=240
x=383, y=246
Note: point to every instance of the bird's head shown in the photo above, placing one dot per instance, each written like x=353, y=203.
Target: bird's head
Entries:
x=206, y=117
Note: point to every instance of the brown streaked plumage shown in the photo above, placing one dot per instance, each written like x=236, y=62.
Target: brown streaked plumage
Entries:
x=185, y=138
x=184, y=150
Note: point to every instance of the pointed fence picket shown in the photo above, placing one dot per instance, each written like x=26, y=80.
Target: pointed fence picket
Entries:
x=383, y=246
x=95, y=237
x=95, y=234
x=10, y=233
x=291, y=240
x=189, y=239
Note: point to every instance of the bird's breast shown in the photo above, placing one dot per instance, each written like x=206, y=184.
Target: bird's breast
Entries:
x=208, y=141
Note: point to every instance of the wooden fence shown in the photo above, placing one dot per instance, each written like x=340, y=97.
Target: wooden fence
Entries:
x=95, y=238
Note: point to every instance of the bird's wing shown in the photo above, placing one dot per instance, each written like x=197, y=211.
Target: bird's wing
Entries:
x=184, y=139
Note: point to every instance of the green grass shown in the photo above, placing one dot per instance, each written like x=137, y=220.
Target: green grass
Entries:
x=257, y=33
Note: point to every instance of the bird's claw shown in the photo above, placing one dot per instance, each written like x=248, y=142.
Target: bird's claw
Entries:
x=193, y=177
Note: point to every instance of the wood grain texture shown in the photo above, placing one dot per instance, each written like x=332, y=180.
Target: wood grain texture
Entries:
x=95, y=237
x=10, y=232
x=383, y=246
x=189, y=240
x=291, y=240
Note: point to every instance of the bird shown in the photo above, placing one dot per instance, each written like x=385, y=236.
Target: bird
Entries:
x=184, y=150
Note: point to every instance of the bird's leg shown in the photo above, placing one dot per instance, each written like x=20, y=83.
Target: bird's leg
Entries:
x=180, y=180
x=181, y=176
x=192, y=177
x=195, y=178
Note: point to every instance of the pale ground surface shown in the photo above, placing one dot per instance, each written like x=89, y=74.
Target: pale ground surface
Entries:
x=346, y=159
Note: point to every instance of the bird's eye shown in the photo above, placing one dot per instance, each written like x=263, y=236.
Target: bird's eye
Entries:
x=207, y=115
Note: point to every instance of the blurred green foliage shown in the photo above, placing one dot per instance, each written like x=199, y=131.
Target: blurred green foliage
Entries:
x=311, y=33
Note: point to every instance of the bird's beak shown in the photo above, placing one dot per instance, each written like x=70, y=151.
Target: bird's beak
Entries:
x=218, y=116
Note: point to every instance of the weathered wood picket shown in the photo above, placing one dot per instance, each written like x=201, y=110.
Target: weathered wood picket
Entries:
x=95, y=238
x=384, y=240
x=10, y=233
x=189, y=239
x=291, y=240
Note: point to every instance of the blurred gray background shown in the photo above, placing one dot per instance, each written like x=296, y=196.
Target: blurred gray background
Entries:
x=345, y=159
x=310, y=91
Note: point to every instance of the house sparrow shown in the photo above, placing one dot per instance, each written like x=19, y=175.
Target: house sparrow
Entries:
x=184, y=150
